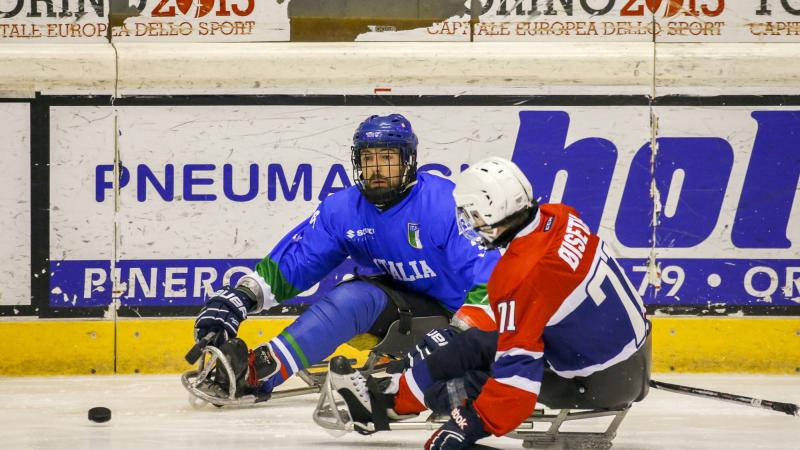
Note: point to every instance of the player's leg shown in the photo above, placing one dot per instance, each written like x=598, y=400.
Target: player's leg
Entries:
x=350, y=309
x=614, y=387
x=446, y=377
x=347, y=310
x=449, y=375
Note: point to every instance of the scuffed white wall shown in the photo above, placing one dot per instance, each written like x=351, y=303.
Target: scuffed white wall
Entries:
x=15, y=203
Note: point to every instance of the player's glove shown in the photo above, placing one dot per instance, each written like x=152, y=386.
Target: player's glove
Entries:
x=433, y=340
x=463, y=429
x=223, y=312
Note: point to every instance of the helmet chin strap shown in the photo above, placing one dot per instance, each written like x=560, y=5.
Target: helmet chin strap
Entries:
x=488, y=236
x=516, y=222
x=503, y=240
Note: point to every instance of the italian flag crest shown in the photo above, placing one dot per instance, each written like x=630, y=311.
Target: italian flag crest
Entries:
x=413, y=235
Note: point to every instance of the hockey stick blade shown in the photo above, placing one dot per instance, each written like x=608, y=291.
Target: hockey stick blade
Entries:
x=786, y=408
x=197, y=349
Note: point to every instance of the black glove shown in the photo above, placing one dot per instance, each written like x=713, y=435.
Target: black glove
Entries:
x=463, y=429
x=433, y=340
x=224, y=310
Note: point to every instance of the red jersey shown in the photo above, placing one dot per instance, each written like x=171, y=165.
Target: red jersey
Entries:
x=558, y=299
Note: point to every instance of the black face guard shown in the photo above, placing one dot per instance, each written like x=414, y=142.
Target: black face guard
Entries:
x=393, y=189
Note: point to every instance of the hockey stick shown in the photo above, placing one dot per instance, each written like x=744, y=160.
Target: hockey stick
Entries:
x=786, y=408
x=197, y=349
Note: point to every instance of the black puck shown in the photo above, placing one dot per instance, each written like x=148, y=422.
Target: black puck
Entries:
x=99, y=414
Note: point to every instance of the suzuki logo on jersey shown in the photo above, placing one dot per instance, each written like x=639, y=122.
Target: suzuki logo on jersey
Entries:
x=362, y=233
x=574, y=243
x=409, y=271
x=413, y=236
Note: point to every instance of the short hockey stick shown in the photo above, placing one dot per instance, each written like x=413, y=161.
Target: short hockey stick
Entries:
x=786, y=408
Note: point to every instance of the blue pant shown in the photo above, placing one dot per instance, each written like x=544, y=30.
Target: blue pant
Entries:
x=348, y=310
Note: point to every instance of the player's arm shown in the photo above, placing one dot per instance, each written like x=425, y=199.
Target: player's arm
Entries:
x=302, y=258
x=305, y=255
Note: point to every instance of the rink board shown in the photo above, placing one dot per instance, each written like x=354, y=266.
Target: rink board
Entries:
x=15, y=201
x=207, y=185
x=619, y=131
x=750, y=344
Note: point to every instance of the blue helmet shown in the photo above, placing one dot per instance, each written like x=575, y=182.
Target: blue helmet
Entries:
x=392, y=131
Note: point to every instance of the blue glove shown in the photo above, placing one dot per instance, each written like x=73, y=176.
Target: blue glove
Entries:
x=224, y=310
x=463, y=429
x=433, y=340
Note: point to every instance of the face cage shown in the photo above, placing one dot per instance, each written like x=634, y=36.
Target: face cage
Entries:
x=482, y=235
x=386, y=194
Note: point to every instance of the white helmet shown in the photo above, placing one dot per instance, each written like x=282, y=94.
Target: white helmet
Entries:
x=487, y=193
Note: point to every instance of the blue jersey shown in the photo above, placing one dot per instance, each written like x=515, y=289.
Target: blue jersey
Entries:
x=416, y=242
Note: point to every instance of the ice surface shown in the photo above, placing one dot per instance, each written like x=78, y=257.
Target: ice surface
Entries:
x=152, y=412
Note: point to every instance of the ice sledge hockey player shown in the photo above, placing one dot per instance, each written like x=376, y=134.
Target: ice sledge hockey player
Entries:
x=571, y=330
x=396, y=224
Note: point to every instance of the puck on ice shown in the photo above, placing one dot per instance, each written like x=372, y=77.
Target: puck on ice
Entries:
x=99, y=414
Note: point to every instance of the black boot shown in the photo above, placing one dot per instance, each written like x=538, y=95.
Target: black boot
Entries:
x=364, y=397
x=251, y=368
x=235, y=351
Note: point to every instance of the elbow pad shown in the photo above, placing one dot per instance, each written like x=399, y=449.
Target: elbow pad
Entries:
x=258, y=291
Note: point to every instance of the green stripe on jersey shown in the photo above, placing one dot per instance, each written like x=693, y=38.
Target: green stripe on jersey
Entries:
x=271, y=273
x=478, y=295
